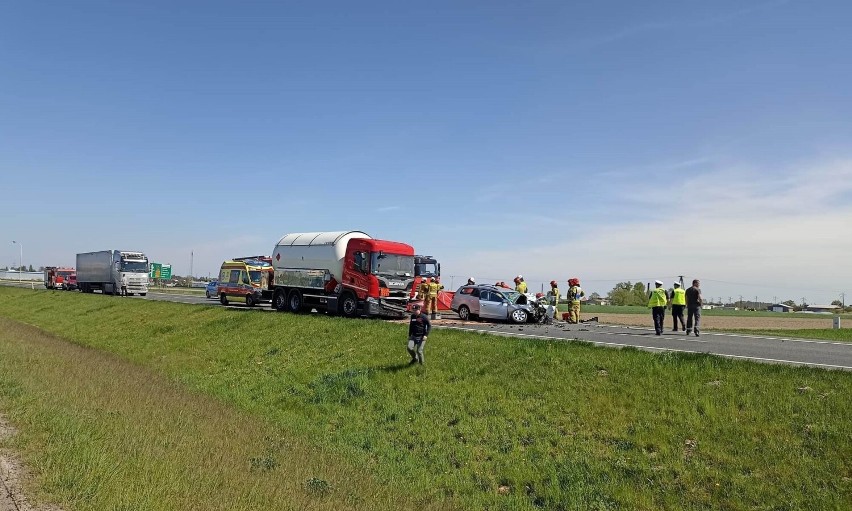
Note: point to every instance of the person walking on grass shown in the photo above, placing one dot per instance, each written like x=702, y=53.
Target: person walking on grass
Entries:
x=678, y=304
x=657, y=302
x=419, y=327
x=693, y=307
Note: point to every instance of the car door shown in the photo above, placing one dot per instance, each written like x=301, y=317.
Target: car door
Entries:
x=491, y=305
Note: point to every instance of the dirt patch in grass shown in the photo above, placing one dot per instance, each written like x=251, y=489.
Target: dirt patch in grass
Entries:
x=719, y=322
x=12, y=473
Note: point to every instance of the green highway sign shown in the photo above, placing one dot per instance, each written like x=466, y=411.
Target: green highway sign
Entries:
x=160, y=271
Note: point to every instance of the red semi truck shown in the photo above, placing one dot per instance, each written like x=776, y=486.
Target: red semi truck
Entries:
x=342, y=272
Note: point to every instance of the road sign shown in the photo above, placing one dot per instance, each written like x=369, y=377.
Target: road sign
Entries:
x=156, y=269
x=166, y=272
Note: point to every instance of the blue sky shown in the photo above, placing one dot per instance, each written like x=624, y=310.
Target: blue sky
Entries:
x=606, y=140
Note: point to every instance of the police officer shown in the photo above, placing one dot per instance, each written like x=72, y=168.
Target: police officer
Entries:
x=434, y=287
x=418, y=330
x=678, y=303
x=471, y=281
x=575, y=293
x=520, y=285
x=657, y=302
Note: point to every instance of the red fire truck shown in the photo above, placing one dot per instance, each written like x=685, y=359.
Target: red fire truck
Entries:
x=60, y=278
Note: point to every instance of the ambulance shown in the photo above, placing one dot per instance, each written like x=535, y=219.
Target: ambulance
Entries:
x=247, y=278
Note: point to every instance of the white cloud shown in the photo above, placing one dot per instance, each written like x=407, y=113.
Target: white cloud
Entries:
x=765, y=232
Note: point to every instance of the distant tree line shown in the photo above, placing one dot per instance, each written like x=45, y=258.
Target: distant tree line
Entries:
x=21, y=268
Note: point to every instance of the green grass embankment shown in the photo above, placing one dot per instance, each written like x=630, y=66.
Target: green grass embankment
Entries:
x=101, y=433
x=490, y=422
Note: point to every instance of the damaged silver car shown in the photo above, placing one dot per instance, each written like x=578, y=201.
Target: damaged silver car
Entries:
x=493, y=303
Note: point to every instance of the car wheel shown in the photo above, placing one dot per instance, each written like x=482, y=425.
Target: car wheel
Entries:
x=519, y=316
x=208, y=294
x=464, y=312
x=223, y=298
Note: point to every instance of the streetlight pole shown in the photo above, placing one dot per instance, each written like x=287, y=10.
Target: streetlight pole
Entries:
x=21, y=268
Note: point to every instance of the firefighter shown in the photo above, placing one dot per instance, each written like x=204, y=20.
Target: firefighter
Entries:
x=434, y=287
x=554, y=296
x=575, y=294
x=423, y=294
x=520, y=285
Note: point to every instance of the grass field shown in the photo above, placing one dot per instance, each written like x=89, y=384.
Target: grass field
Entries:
x=489, y=423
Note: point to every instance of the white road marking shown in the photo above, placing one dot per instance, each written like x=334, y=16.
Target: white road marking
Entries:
x=621, y=345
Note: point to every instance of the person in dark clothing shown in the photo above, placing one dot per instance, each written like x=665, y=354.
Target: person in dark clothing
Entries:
x=693, y=307
x=419, y=327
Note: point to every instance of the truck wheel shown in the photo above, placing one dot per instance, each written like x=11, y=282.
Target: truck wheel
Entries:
x=349, y=305
x=142, y=294
x=249, y=301
x=279, y=300
x=294, y=301
x=223, y=298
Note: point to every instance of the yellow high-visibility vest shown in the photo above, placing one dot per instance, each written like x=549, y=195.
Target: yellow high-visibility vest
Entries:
x=521, y=287
x=658, y=298
x=679, y=296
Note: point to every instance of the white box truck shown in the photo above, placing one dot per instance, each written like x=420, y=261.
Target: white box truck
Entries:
x=103, y=270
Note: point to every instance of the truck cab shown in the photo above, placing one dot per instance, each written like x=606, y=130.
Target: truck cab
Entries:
x=379, y=274
x=246, y=278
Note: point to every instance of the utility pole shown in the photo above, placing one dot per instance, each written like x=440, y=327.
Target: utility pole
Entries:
x=191, y=256
x=681, y=281
x=843, y=299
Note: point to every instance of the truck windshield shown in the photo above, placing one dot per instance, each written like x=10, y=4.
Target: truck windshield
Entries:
x=426, y=269
x=255, y=276
x=392, y=264
x=134, y=266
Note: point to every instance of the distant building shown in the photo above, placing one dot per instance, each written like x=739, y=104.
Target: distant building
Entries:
x=597, y=301
x=780, y=307
x=825, y=309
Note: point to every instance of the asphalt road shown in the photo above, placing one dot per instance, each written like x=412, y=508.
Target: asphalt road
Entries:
x=825, y=354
